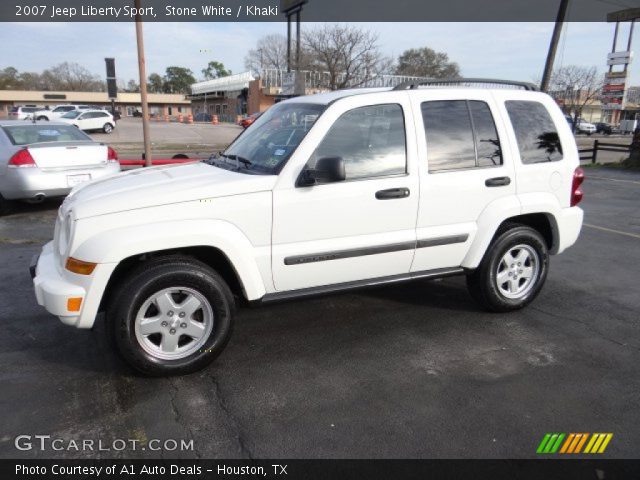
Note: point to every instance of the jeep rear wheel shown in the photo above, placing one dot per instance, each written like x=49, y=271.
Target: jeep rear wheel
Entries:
x=513, y=270
x=172, y=316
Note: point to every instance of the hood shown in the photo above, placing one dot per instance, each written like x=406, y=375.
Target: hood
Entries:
x=156, y=186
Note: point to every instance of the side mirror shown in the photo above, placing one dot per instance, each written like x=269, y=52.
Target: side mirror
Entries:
x=327, y=170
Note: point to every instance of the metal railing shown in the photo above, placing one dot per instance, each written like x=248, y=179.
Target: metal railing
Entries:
x=273, y=78
x=592, y=153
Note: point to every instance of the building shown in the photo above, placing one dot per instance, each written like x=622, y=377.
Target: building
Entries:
x=225, y=97
x=248, y=92
x=160, y=104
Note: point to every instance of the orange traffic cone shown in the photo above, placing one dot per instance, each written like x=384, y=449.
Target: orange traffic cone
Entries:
x=180, y=118
x=189, y=118
x=214, y=120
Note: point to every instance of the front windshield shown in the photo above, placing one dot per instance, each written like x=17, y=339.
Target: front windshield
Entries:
x=72, y=114
x=266, y=145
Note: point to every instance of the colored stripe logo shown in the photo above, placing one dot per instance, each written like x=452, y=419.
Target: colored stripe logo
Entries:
x=573, y=443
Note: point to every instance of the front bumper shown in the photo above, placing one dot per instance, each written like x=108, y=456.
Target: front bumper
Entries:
x=54, y=286
x=52, y=290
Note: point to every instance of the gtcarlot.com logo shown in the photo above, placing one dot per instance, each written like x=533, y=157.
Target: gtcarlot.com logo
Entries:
x=45, y=443
x=574, y=443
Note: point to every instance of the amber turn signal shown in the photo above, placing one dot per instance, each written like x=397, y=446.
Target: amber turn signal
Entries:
x=80, y=267
x=73, y=304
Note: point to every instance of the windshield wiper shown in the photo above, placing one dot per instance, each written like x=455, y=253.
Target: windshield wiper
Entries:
x=246, y=162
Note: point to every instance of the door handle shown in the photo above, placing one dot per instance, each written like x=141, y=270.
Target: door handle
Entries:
x=392, y=193
x=497, y=182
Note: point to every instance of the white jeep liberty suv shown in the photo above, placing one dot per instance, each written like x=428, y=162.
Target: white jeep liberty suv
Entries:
x=322, y=193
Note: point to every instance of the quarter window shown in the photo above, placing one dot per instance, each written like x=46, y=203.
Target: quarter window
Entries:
x=460, y=134
x=370, y=140
x=537, y=137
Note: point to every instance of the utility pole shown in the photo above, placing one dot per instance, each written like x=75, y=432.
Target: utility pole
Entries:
x=553, y=45
x=143, y=87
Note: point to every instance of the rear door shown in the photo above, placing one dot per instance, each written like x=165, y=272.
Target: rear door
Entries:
x=464, y=170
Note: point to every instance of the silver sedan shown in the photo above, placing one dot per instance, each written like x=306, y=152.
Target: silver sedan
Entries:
x=47, y=159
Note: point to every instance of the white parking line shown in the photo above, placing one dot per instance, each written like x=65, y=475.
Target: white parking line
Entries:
x=589, y=177
x=610, y=230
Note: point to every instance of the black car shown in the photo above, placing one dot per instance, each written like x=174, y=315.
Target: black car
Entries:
x=604, y=128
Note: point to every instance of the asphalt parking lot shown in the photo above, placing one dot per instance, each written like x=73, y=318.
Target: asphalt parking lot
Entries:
x=408, y=371
x=168, y=138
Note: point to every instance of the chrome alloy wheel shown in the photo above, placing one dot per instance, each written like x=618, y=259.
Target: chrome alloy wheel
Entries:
x=518, y=271
x=174, y=323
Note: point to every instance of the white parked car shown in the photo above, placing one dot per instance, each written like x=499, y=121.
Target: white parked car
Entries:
x=322, y=193
x=90, y=120
x=58, y=111
x=22, y=113
x=582, y=126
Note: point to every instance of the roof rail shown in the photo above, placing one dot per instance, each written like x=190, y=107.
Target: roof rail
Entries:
x=413, y=84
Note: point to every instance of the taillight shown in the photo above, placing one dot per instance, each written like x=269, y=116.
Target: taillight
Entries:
x=112, y=156
x=576, y=191
x=22, y=158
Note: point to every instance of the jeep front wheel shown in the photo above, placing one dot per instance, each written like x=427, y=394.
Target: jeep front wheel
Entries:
x=513, y=270
x=171, y=317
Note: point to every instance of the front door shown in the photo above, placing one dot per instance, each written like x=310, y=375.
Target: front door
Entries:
x=360, y=228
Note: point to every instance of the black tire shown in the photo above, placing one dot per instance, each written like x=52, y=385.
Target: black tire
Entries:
x=42, y=117
x=6, y=206
x=483, y=282
x=108, y=128
x=155, y=276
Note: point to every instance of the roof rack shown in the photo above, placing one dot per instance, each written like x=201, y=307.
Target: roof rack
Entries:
x=443, y=82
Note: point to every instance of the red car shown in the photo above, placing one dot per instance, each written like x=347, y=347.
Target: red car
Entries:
x=245, y=122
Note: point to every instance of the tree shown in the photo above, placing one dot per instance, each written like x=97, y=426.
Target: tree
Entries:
x=215, y=70
x=132, y=87
x=349, y=55
x=573, y=87
x=9, y=79
x=178, y=80
x=426, y=62
x=271, y=53
x=31, y=81
x=72, y=77
x=155, y=83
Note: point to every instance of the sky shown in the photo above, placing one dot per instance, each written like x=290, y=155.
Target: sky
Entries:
x=514, y=51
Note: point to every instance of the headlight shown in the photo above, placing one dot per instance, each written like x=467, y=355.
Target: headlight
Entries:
x=66, y=230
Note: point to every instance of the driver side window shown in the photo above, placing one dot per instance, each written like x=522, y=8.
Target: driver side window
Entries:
x=370, y=140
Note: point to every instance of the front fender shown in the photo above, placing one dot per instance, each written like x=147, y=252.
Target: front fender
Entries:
x=115, y=245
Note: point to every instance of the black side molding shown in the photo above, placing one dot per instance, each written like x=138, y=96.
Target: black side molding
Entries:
x=361, y=252
x=435, y=242
x=355, y=252
x=340, y=287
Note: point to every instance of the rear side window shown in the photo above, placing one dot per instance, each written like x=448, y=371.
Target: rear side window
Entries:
x=28, y=134
x=371, y=140
x=537, y=137
x=460, y=134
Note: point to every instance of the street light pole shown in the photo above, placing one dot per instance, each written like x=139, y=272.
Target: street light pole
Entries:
x=143, y=87
x=553, y=45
